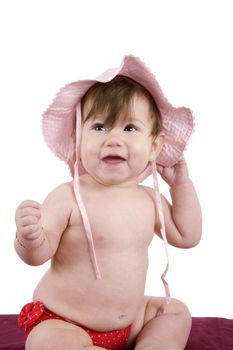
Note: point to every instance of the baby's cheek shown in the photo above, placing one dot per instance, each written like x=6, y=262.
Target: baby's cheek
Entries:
x=139, y=161
x=87, y=148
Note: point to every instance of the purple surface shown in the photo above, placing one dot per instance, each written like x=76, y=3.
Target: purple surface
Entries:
x=211, y=333
x=208, y=333
x=11, y=337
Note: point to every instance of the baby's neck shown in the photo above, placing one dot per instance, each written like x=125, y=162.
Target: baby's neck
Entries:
x=87, y=179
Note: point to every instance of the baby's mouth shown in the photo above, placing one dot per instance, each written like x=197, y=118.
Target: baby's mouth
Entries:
x=113, y=159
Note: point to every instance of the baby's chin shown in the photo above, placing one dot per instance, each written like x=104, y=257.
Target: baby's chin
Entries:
x=111, y=181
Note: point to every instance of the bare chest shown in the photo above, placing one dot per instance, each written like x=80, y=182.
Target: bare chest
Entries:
x=123, y=220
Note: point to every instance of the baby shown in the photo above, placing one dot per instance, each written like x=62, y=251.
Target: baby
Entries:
x=97, y=229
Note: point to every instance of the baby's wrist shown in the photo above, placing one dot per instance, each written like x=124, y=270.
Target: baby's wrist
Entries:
x=30, y=244
x=181, y=183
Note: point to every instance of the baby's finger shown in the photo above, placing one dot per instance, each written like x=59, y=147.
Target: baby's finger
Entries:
x=29, y=211
x=159, y=168
x=29, y=203
x=30, y=231
x=29, y=220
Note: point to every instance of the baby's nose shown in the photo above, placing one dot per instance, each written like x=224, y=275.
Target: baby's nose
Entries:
x=113, y=139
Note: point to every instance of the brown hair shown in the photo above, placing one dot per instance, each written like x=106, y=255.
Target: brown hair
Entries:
x=115, y=96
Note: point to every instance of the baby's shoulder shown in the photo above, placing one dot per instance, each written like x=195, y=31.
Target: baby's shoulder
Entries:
x=148, y=190
x=63, y=191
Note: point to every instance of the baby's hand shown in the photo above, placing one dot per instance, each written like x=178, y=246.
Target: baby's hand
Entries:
x=27, y=219
x=175, y=175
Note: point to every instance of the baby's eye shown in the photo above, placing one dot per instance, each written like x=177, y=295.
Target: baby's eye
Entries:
x=130, y=128
x=99, y=127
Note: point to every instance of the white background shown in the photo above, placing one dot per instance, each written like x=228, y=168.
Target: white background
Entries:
x=188, y=45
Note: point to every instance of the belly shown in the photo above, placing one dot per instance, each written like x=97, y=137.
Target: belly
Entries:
x=106, y=304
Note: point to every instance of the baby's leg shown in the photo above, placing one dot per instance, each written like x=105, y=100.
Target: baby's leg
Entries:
x=59, y=335
x=164, y=330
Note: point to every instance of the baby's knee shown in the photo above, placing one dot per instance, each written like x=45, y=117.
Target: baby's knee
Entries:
x=180, y=307
x=59, y=335
x=158, y=306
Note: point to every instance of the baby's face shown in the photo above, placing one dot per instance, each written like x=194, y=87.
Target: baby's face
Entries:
x=120, y=154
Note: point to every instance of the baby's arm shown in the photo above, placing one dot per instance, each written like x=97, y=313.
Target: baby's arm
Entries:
x=40, y=227
x=183, y=219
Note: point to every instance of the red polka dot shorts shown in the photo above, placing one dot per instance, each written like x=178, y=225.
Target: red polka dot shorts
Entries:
x=34, y=313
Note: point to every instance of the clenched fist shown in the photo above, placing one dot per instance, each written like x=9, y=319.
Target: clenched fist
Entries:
x=28, y=219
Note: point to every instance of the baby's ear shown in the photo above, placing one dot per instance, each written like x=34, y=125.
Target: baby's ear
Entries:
x=156, y=146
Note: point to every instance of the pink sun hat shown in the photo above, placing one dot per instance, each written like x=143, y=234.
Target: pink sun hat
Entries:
x=59, y=119
x=64, y=115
